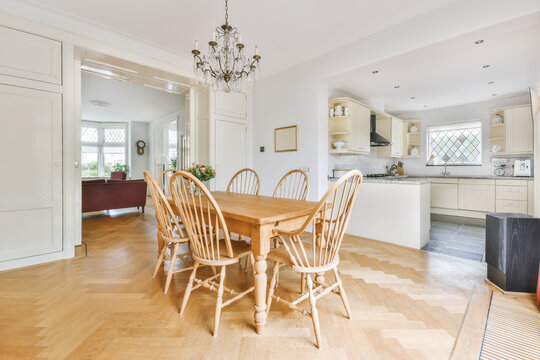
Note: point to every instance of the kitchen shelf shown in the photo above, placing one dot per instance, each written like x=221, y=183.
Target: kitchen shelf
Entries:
x=497, y=138
x=344, y=151
x=496, y=125
x=339, y=133
x=338, y=117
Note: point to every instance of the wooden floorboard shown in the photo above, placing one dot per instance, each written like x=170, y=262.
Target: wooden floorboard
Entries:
x=406, y=304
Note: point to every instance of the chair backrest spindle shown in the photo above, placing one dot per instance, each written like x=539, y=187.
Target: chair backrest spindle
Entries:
x=245, y=181
x=293, y=185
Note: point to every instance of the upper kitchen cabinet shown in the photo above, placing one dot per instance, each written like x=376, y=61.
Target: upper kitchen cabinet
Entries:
x=511, y=130
x=348, y=127
x=30, y=56
x=393, y=129
x=412, y=140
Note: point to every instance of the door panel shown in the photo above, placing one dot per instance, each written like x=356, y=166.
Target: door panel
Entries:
x=231, y=146
x=232, y=104
x=30, y=56
x=31, y=185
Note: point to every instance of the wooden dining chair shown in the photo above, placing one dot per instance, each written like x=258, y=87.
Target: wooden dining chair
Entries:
x=245, y=181
x=293, y=185
x=164, y=181
x=169, y=232
x=204, y=223
x=319, y=255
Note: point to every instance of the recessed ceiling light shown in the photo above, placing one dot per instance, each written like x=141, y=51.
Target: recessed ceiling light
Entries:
x=413, y=97
x=375, y=72
x=102, y=103
x=485, y=66
x=491, y=82
x=425, y=105
x=396, y=87
x=494, y=94
x=478, y=41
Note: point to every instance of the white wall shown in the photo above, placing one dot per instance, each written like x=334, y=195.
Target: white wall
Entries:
x=139, y=163
x=299, y=95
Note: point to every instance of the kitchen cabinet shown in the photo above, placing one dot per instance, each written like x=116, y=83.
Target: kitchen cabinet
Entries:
x=30, y=56
x=530, y=197
x=391, y=128
x=513, y=133
x=353, y=129
x=512, y=196
x=476, y=195
x=444, y=193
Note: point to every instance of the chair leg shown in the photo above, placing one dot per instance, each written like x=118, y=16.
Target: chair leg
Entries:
x=219, y=300
x=171, y=267
x=342, y=294
x=160, y=260
x=272, y=286
x=314, y=313
x=302, y=283
x=189, y=287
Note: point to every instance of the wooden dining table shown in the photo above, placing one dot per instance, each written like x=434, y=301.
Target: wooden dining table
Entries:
x=257, y=217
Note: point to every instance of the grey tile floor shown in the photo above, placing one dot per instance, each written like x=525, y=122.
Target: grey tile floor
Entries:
x=457, y=236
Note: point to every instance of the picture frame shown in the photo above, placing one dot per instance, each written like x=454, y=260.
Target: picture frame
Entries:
x=286, y=139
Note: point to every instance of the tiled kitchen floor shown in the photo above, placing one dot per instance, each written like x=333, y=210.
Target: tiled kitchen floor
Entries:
x=457, y=236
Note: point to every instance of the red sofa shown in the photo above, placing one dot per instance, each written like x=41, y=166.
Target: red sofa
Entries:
x=104, y=194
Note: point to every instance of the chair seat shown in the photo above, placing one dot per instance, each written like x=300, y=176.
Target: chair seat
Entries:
x=239, y=248
x=280, y=255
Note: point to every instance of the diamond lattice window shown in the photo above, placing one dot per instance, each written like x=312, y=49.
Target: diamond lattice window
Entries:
x=456, y=144
x=89, y=134
x=115, y=135
x=173, y=139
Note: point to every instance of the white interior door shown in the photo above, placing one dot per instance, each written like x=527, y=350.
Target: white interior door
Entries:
x=231, y=150
x=31, y=181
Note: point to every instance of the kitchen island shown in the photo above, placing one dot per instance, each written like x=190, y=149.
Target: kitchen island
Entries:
x=394, y=210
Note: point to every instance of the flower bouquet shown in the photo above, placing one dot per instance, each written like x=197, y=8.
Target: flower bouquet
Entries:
x=202, y=172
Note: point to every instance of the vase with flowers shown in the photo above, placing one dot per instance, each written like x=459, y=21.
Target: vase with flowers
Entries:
x=202, y=172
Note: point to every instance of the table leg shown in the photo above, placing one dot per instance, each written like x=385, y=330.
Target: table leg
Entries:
x=260, y=245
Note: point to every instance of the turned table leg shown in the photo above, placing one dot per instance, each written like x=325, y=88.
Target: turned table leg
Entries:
x=260, y=245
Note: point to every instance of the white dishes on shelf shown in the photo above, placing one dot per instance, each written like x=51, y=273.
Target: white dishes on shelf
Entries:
x=496, y=148
x=497, y=119
x=339, y=144
x=413, y=129
x=414, y=151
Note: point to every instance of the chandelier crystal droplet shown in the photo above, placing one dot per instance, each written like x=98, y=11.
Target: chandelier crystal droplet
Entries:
x=225, y=67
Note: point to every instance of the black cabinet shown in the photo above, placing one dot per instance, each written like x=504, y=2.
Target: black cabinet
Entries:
x=513, y=251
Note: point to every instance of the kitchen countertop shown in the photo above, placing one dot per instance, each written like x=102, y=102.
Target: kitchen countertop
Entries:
x=423, y=179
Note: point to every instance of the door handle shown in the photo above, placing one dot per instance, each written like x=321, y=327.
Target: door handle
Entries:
x=76, y=164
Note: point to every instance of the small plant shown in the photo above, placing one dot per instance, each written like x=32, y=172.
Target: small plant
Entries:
x=119, y=167
x=172, y=163
x=202, y=172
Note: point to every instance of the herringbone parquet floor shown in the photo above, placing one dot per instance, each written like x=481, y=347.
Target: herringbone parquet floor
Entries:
x=407, y=304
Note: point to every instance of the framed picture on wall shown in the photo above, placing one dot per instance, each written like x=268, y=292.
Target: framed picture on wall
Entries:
x=286, y=139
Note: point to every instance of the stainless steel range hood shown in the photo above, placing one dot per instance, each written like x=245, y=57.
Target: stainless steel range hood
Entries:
x=376, y=139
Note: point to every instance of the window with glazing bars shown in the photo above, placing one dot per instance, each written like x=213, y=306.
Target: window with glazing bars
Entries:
x=456, y=144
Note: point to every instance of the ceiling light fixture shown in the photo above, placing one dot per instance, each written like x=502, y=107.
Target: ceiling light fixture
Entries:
x=491, y=82
x=110, y=66
x=413, y=97
x=477, y=42
x=225, y=67
x=396, y=87
x=425, y=106
x=494, y=94
x=101, y=103
x=485, y=66
x=375, y=72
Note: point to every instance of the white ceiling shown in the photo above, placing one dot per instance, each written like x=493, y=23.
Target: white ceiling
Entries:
x=128, y=102
x=451, y=72
x=288, y=31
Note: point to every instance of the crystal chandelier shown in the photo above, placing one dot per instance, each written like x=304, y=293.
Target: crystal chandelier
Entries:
x=225, y=67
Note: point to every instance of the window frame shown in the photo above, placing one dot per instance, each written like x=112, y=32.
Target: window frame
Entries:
x=453, y=126
x=101, y=144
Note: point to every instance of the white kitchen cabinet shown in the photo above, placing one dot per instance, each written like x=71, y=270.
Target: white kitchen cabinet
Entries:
x=31, y=188
x=530, y=197
x=519, y=130
x=512, y=196
x=477, y=195
x=393, y=130
x=30, y=56
x=444, y=193
x=353, y=129
x=233, y=104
